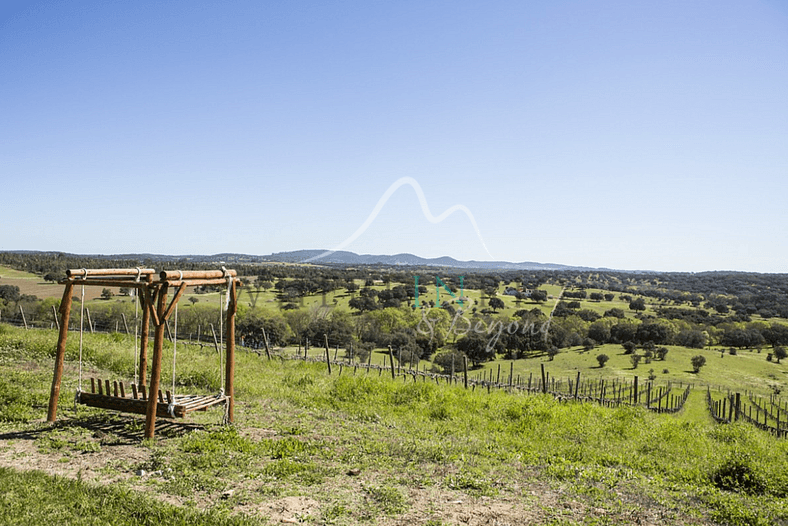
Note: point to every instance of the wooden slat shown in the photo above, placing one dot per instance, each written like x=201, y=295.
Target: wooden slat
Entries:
x=92, y=385
x=134, y=391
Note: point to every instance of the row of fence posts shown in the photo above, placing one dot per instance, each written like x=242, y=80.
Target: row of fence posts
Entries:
x=731, y=408
x=726, y=410
x=658, y=399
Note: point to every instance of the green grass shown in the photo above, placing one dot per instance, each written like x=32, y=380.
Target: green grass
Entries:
x=32, y=498
x=299, y=431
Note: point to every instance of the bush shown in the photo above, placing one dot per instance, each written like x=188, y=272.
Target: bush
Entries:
x=602, y=359
x=698, y=361
x=738, y=473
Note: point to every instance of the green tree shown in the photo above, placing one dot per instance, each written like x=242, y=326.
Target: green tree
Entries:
x=698, y=361
x=780, y=353
x=539, y=295
x=635, y=359
x=475, y=347
x=496, y=304
x=638, y=304
x=602, y=359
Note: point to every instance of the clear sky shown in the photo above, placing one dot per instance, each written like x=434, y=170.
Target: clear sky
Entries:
x=629, y=135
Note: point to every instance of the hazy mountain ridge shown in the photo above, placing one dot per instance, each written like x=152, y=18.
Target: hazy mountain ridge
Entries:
x=339, y=257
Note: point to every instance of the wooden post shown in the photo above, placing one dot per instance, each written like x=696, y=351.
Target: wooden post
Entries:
x=738, y=405
x=155, y=374
x=229, y=378
x=328, y=357
x=544, y=380
x=57, y=321
x=60, y=353
x=465, y=370
x=391, y=359
x=23, y=317
x=265, y=340
x=635, y=391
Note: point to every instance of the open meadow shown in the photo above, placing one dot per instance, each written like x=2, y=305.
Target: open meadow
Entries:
x=356, y=447
x=591, y=404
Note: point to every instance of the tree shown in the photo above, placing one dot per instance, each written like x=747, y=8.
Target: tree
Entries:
x=552, y=352
x=780, y=353
x=363, y=303
x=106, y=294
x=539, y=295
x=661, y=353
x=10, y=293
x=629, y=347
x=637, y=304
x=698, y=361
x=496, y=304
x=635, y=359
x=474, y=346
x=602, y=359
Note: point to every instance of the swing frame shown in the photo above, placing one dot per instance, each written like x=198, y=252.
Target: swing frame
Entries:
x=152, y=290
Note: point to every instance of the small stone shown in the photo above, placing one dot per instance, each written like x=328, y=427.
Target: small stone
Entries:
x=140, y=472
x=354, y=472
x=227, y=494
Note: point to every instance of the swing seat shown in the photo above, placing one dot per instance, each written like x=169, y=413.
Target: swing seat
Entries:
x=137, y=401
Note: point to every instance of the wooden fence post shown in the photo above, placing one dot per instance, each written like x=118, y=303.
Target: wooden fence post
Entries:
x=328, y=356
x=391, y=359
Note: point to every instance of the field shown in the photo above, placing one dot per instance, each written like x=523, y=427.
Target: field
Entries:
x=359, y=448
x=354, y=446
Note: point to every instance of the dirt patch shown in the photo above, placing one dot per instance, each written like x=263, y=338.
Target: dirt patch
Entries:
x=105, y=451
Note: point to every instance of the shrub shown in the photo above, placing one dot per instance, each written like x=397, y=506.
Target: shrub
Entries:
x=635, y=359
x=738, y=473
x=698, y=361
x=602, y=359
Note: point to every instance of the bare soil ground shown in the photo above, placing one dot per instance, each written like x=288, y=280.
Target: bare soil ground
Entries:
x=104, y=452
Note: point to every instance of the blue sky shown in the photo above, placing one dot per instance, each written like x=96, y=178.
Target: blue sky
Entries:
x=630, y=135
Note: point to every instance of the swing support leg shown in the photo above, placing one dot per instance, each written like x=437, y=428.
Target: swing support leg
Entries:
x=155, y=374
x=230, y=362
x=60, y=354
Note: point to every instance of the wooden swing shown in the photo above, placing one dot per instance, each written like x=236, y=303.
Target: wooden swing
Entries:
x=152, y=293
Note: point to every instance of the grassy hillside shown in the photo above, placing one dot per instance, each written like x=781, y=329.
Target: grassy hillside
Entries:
x=363, y=449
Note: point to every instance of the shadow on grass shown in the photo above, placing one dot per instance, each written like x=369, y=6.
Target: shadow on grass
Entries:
x=128, y=429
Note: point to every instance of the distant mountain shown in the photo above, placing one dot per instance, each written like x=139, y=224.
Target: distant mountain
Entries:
x=342, y=257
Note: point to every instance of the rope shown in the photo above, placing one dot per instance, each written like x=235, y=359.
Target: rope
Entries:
x=136, y=331
x=171, y=406
x=174, y=348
